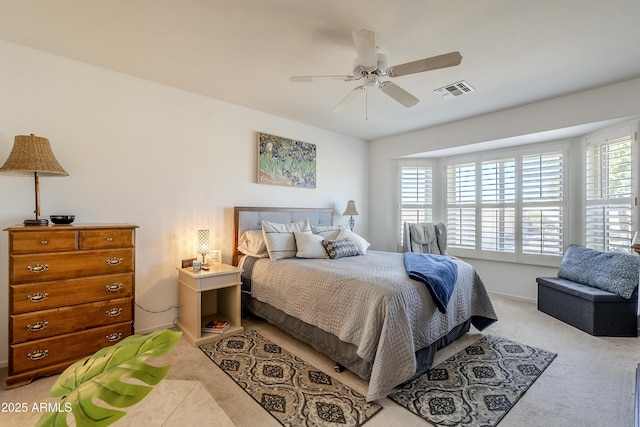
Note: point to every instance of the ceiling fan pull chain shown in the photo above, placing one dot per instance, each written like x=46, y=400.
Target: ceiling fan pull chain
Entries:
x=366, y=104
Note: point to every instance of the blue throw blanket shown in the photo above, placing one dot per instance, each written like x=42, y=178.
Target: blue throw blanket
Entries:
x=438, y=272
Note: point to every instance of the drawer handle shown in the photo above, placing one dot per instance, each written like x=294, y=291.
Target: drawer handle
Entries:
x=38, y=354
x=44, y=242
x=38, y=268
x=114, y=336
x=109, y=239
x=114, y=287
x=37, y=326
x=114, y=312
x=38, y=296
x=115, y=261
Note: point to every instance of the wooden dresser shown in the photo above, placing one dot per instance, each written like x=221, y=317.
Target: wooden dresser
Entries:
x=71, y=293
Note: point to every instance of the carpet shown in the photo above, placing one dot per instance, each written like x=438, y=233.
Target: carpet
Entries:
x=292, y=391
x=477, y=386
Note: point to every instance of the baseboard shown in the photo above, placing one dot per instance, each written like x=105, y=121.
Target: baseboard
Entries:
x=4, y=363
x=153, y=329
x=516, y=297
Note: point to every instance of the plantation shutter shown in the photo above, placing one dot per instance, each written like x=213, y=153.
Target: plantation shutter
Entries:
x=416, y=195
x=461, y=205
x=498, y=206
x=609, y=192
x=543, y=203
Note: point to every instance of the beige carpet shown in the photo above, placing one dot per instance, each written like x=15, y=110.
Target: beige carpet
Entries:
x=590, y=383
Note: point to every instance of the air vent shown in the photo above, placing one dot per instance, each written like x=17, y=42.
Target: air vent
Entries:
x=455, y=89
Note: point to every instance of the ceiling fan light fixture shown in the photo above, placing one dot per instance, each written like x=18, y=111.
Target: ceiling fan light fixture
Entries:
x=370, y=80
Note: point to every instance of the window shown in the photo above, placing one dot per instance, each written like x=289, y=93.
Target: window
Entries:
x=498, y=206
x=416, y=194
x=609, y=190
x=542, y=203
x=461, y=210
x=508, y=206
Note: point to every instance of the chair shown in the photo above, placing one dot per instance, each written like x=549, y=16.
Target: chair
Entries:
x=425, y=237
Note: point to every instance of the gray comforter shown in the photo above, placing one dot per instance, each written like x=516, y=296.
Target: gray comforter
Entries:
x=370, y=302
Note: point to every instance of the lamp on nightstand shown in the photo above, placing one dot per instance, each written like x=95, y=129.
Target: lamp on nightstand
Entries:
x=351, y=210
x=32, y=155
x=204, y=237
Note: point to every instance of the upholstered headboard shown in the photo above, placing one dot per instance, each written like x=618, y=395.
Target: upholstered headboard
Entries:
x=250, y=218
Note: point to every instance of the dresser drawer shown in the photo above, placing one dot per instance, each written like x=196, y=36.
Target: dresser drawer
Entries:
x=41, y=267
x=57, y=321
x=106, y=239
x=44, y=295
x=70, y=347
x=43, y=241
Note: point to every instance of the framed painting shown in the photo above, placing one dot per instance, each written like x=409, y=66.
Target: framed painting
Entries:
x=283, y=161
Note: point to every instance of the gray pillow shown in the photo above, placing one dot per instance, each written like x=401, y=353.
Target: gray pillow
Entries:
x=340, y=248
x=615, y=272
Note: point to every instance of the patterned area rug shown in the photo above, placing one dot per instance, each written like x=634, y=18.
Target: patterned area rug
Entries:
x=477, y=386
x=294, y=392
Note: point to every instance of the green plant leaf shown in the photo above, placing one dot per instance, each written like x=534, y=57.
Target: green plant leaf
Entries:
x=115, y=375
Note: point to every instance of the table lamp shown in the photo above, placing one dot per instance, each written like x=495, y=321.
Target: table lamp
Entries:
x=351, y=210
x=204, y=237
x=32, y=155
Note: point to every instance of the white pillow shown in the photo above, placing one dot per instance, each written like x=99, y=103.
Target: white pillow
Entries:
x=252, y=243
x=359, y=241
x=281, y=243
x=310, y=245
x=329, y=232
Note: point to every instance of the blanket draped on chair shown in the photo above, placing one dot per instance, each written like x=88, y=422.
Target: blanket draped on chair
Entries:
x=437, y=272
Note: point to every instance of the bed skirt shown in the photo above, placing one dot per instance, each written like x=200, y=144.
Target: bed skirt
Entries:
x=339, y=351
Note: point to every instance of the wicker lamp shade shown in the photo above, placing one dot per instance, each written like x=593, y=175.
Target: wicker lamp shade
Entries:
x=32, y=155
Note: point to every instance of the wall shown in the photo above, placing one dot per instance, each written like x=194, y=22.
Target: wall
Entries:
x=612, y=102
x=166, y=160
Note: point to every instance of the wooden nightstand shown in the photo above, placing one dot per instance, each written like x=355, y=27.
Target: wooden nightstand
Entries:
x=207, y=295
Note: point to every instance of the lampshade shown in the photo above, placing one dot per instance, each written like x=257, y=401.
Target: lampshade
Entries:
x=635, y=243
x=32, y=155
x=351, y=208
x=204, y=237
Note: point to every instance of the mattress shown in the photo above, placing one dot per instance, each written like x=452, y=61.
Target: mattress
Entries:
x=365, y=312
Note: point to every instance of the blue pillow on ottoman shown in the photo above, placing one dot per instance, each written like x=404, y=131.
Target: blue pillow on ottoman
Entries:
x=615, y=272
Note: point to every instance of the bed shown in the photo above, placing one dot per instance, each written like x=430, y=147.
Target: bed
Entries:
x=363, y=311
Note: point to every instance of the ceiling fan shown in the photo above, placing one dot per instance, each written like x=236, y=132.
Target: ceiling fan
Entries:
x=370, y=65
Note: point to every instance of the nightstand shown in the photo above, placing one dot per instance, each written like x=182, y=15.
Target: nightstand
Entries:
x=208, y=295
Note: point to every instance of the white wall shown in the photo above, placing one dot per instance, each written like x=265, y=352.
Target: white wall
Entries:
x=166, y=160
x=607, y=103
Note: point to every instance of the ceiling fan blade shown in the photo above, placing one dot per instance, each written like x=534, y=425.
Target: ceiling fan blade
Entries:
x=365, y=42
x=399, y=94
x=298, y=79
x=450, y=59
x=348, y=100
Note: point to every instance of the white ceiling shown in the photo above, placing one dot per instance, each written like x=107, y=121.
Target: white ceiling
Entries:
x=243, y=51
